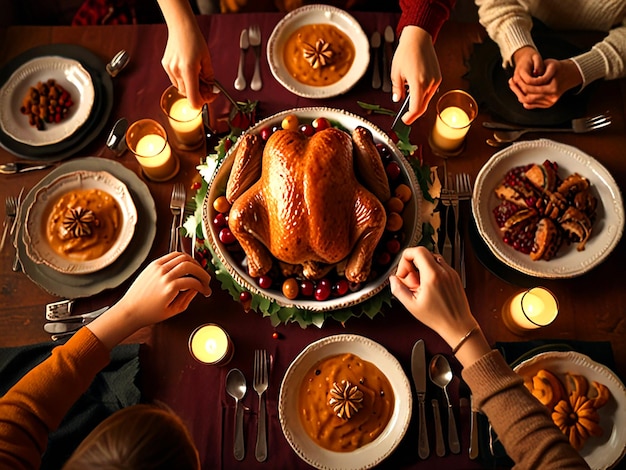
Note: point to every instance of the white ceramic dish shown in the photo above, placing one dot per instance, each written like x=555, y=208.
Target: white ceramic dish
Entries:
x=370, y=454
x=607, y=229
x=68, y=73
x=411, y=213
x=38, y=248
x=317, y=14
x=607, y=450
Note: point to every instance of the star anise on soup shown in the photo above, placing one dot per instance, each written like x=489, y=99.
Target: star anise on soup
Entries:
x=318, y=55
x=79, y=222
x=345, y=399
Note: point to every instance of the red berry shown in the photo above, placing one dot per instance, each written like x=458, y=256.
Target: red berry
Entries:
x=265, y=282
x=276, y=335
x=227, y=145
x=341, y=287
x=393, y=136
x=383, y=258
x=322, y=291
x=245, y=296
x=266, y=132
x=306, y=288
x=393, y=246
x=226, y=236
x=320, y=124
x=220, y=220
x=393, y=170
x=196, y=185
x=307, y=129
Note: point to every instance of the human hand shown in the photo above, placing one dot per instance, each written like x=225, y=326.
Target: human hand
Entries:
x=415, y=64
x=432, y=291
x=563, y=76
x=163, y=289
x=186, y=59
x=529, y=67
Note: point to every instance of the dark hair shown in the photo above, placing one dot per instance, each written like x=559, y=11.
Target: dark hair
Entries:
x=137, y=437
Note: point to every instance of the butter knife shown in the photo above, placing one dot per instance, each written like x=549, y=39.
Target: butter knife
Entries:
x=397, y=121
x=387, y=56
x=418, y=370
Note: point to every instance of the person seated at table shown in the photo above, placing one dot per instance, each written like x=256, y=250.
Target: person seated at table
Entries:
x=150, y=435
x=539, y=82
x=414, y=64
x=433, y=293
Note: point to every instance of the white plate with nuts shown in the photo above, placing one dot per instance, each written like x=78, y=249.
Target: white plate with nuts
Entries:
x=38, y=115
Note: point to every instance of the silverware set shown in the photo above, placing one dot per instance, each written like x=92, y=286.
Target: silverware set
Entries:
x=11, y=228
x=507, y=133
x=62, y=322
x=249, y=38
x=236, y=388
x=381, y=60
x=453, y=250
x=441, y=375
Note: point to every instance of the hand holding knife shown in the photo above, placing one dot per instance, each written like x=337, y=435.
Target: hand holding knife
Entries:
x=418, y=370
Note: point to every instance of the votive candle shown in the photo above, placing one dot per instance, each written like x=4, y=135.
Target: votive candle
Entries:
x=456, y=110
x=185, y=120
x=148, y=141
x=531, y=309
x=210, y=344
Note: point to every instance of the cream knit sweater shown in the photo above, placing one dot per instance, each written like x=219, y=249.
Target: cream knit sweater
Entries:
x=508, y=23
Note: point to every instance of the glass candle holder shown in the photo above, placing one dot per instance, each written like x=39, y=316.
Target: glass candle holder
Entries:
x=529, y=310
x=147, y=140
x=456, y=110
x=185, y=121
x=210, y=344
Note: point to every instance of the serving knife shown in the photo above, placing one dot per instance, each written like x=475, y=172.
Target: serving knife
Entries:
x=418, y=370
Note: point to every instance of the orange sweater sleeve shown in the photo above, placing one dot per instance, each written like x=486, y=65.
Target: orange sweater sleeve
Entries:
x=36, y=404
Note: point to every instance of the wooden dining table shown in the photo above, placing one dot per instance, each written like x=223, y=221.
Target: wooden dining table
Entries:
x=592, y=306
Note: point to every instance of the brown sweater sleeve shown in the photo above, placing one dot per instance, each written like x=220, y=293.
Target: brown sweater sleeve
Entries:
x=522, y=424
x=36, y=404
x=427, y=14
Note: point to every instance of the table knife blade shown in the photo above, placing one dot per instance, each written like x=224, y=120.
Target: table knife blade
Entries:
x=418, y=370
x=403, y=109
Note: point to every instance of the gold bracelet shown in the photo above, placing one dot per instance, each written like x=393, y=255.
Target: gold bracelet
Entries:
x=464, y=338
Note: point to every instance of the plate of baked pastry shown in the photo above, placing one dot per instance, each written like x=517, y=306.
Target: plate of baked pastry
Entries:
x=572, y=385
x=318, y=51
x=344, y=403
x=548, y=209
x=311, y=209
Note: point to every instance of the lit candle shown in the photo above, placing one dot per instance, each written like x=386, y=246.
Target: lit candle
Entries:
x=529, y=310
x=148, y=142
x=210, y=344
x=186, y=122
x=450, y=128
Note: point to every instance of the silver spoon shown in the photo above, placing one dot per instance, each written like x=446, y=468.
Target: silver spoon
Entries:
x=18, y=167
x=236, y=388
x=375, y=42
x=441, y=375
x=118, y=62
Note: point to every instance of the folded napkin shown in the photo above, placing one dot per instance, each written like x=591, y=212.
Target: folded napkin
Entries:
x=516, y=352
x=114, y=388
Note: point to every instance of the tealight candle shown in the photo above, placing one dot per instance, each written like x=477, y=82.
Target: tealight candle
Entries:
x=185, y=120
x=456, y=110
x=210, y=344
x=530, y=309
x=148, y=141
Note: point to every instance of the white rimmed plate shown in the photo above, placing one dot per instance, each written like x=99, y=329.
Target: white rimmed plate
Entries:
x=370, y=454
x=68, y=73
x=607, y=228
x=317, y=14
x=411, y=214
x=607, y=450
x=37, y=247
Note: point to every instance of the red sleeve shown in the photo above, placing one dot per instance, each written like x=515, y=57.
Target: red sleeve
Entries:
x=427, y=14
x=36, y=404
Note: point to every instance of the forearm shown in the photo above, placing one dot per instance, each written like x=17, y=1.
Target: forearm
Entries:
x=36, y=405
x=177, y=13
x=521, y=422
x=429, y=16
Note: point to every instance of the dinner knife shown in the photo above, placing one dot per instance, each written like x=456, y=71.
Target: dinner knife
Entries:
x=389, y=36
x=403, y=109
x=418, y=370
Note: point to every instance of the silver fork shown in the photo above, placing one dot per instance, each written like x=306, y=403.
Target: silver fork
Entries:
x=464, y=191
x=510, y=133
x=177, y=205
x=254, y=36
x=261, y=381
x=447, y=196
x=10, y=208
